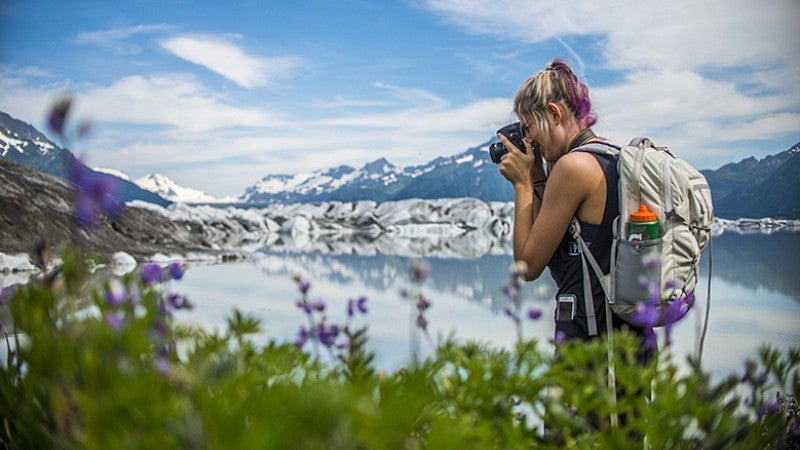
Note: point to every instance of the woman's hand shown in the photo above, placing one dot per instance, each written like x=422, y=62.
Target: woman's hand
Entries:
x=518, y=167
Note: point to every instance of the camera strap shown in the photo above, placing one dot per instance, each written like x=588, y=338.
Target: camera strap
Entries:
x=582, y=138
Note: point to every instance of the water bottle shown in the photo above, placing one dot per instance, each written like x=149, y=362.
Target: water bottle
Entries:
x=643, y=225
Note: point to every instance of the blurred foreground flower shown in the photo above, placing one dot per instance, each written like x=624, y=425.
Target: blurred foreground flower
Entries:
x=96, y=195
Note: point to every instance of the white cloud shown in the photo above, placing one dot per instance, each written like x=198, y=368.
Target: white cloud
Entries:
x=677, y=34
x=119, y=38
x=695, y=73
x=223, y=57
x=170, y=100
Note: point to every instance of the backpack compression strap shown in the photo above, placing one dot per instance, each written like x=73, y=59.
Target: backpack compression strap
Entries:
x=587, y=259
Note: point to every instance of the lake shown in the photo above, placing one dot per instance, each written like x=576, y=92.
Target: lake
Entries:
x=755, y=298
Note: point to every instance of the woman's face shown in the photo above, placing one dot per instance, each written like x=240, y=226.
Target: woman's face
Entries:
x=537, y=138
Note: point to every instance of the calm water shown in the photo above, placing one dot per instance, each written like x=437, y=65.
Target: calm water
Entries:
x=755, y=298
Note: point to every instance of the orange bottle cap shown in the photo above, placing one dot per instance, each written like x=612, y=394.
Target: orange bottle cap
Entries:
x=643, y=215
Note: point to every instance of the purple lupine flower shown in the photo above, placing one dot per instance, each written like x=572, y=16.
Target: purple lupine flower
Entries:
x=794, y=428
x=646, y=315
x=302, y=337
x=327, y=334
x=675, y=311
x=422, y=323
x=318, y=305
x=650, y=338
x=175, y=270
x=162, y=365
x=534, y=313
x=304, y=286
x=362, y=304
x=152, y=273
x=95, y=195
x=113, y=320
x=58, y=115
x=178, y=302
x=304, y=305
x=510, y=313
x=354, y=305
x=511, y=292
x=422, y=302
x=6, y=293
x=769, y=407
x=420, y=270
x=116, y=294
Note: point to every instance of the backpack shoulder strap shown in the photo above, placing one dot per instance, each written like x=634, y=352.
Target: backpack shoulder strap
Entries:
x=599, y=147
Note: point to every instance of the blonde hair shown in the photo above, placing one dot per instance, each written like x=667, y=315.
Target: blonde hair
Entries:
x=558, y=84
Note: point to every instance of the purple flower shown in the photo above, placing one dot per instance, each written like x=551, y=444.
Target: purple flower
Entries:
x=769, y=407
x=362, y=304
x=560, y=337
x=178, y=302
x=327, y=334
x=510, y=313
x=318, y=305
x=6, y=293
x=422, y=323
x=113, y=320
x=650, y=338
x=511, y=292
x=58, y=115
x=152, y=273
x=304, y=286
x=420, y=270
x=175, y=270
x=302, y=337
x=675, y=311
x=646, y=315
x=162, y=365
x=116, y=294
x=422, y=302
x=534, y=313
x=304, y=305
x=95, y=195
x=354, y=305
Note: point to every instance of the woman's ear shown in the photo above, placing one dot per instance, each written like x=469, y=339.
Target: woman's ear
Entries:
x=555, y=111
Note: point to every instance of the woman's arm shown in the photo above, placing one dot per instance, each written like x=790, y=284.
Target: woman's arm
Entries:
x=573, y=180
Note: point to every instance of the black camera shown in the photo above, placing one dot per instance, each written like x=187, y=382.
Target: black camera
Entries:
x=514, y=134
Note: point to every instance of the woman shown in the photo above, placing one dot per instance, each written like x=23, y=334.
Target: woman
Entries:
x=556, y=117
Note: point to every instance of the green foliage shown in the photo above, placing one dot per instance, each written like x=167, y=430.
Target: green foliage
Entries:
x=84, y=369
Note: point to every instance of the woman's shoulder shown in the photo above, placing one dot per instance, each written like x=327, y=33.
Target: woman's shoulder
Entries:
x=577, y=164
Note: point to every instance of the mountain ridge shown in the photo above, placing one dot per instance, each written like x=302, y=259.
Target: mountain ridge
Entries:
x=749, y=188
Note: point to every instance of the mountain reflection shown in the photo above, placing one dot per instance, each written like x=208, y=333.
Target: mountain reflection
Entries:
x=758, y=261
x=478, y=279
x=755, y=261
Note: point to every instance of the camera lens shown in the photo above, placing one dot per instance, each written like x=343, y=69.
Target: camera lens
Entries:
x=496, y=151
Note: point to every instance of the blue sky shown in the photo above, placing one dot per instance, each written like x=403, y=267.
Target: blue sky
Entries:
x=217, y=94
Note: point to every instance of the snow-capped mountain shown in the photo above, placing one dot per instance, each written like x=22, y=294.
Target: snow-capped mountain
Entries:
x=170, y=190
x=23, y=144
x=467, y=174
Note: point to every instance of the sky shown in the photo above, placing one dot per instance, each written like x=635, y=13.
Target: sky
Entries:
x=216, y=95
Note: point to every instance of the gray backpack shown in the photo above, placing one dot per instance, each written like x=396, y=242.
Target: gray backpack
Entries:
x=658, y=271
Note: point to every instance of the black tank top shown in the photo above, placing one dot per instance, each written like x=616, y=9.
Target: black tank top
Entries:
x=565, y=265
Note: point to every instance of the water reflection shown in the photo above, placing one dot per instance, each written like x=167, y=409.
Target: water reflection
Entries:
x=754, y=297
x=759, y=261
x=756, y=292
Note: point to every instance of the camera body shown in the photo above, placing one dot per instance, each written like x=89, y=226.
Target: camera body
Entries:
x=514, y=134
